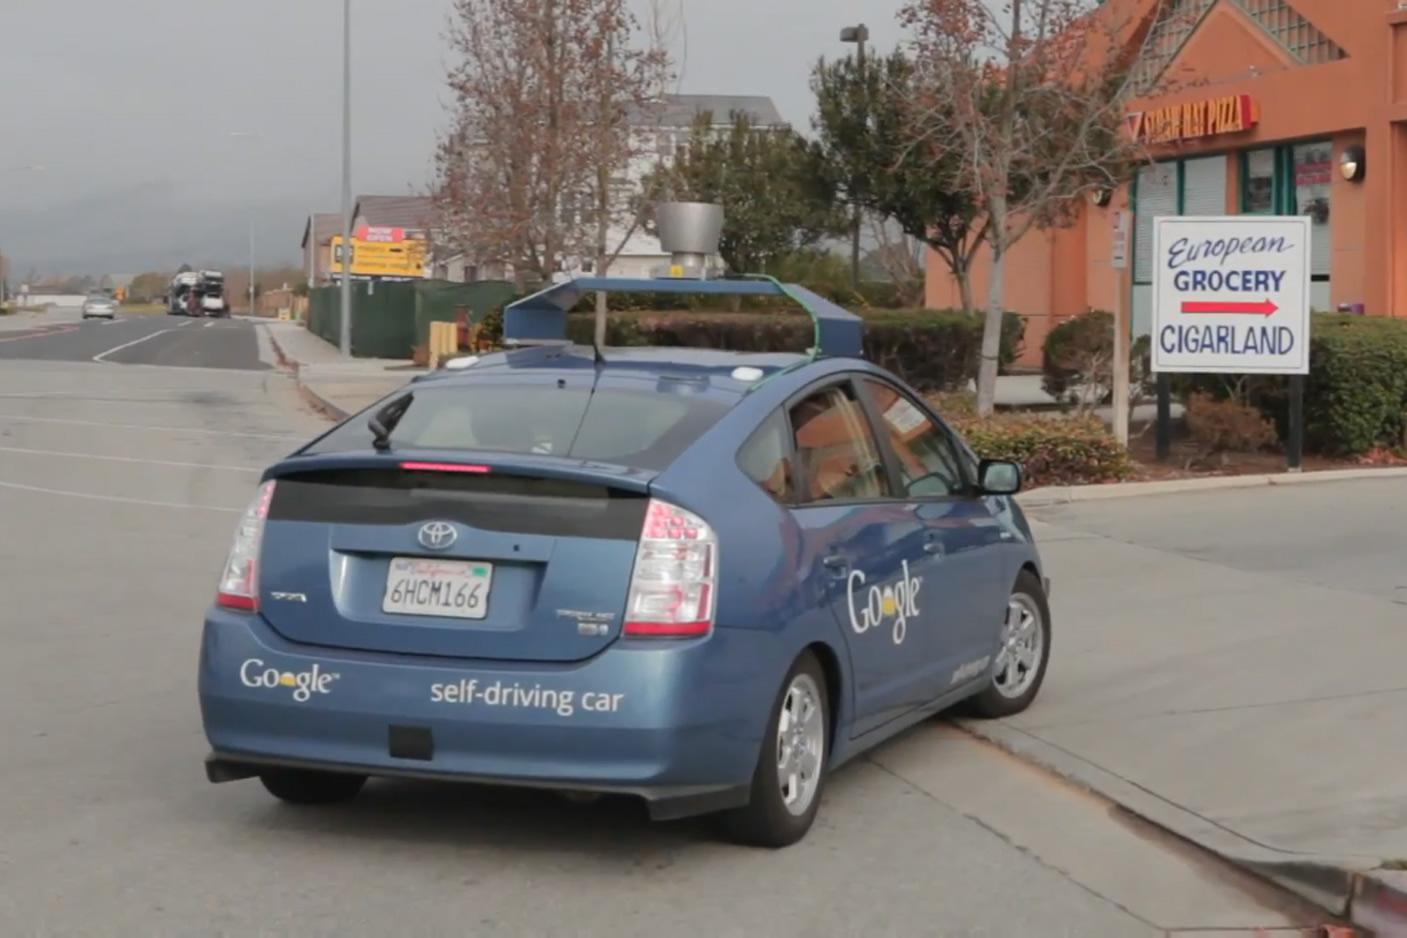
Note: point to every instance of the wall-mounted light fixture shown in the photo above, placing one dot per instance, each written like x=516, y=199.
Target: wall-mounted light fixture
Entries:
x=1353, y=163
x=1101, y=197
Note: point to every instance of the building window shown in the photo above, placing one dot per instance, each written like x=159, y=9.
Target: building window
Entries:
x=1258, y=183
x=1295, y=180
x=1314, y=172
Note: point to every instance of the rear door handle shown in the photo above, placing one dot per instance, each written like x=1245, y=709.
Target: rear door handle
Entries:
x=837, y=564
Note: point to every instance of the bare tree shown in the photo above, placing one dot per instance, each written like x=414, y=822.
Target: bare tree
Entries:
x=545, y=92
x=1029, y=96
x=899, y=255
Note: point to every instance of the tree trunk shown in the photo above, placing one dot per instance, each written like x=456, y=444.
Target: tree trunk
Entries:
x=963, y=274
x=991, y=336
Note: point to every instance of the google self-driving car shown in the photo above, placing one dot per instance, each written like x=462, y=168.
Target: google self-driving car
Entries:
x=697, y=577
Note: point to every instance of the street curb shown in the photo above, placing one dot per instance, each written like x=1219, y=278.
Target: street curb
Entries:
x=1068, y=494
x=1344, y=887
x=315, y=400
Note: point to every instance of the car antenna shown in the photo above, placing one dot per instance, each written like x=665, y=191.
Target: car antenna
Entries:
x=384, y=421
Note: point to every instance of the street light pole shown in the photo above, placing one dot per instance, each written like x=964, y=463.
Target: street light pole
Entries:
x=346, y=332
x=253, y=309
x=859, y=35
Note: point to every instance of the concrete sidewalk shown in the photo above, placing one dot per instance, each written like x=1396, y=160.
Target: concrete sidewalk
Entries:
x=1230, y=666
x=334, y=384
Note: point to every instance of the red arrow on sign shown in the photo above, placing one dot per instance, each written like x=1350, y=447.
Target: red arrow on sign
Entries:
x=1263, y=308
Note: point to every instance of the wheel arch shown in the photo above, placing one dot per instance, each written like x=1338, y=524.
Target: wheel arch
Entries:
x=834, y=674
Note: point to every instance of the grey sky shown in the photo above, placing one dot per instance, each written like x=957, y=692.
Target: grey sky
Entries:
x=128, y=108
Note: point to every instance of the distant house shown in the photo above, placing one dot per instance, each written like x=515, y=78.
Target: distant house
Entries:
x=410, y=213
x=660, y=133
x=317, y=247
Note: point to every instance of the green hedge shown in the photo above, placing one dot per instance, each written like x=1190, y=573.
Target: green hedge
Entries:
x=1051, y=450
x=1356, y=396
x=934, y=350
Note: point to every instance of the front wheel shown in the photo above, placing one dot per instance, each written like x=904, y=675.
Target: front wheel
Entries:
x=786, y=785
x=1022, y=654
x=305, y=786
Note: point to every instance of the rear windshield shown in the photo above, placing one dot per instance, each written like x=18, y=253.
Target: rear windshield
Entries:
x=643, y=430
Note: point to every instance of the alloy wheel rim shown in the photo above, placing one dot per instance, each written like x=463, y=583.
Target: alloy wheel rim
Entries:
x=1022, y=646
x=801, y=743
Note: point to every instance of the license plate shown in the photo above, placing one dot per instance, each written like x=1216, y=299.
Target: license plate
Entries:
x=418, y=586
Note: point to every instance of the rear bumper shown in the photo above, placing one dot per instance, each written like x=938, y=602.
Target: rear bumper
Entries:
x=677, y=724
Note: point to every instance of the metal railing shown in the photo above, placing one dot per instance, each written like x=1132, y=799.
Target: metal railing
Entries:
x=1301, y=38
x=1179, y=19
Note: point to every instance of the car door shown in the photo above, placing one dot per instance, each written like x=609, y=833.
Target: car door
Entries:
x=866, y=548
x=966, y=599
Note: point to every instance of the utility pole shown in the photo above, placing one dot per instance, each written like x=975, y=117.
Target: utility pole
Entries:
x=346, y=333
x=253, y=310
x=1119, y=261
x=859, y=35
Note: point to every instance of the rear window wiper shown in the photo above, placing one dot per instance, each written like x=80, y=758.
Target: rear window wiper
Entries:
x=384, y=421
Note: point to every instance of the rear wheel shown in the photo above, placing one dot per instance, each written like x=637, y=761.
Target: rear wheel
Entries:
x=786, y=785
x=305, y=786
x=1022, y=654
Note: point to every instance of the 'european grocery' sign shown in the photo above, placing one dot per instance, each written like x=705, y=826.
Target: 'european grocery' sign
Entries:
x=1231, y=294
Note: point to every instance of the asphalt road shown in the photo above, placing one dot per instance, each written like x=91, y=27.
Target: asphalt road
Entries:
x=120, y=484
x=145, y=340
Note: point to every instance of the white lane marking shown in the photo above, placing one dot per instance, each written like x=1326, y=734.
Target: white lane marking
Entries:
x=118, y=498
x=185, y=322
x=209, y=324
x=146, y=338
x=149, y=462
x=130, y=426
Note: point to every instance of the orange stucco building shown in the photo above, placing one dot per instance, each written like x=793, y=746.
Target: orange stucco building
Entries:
x=1277, y=100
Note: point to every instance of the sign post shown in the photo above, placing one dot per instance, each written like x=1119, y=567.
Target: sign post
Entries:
x=1231, y=296
x=1119, y=260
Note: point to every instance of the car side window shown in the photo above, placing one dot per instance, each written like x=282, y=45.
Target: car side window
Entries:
x=836, y=454
x=766, y=459
x=929, y=463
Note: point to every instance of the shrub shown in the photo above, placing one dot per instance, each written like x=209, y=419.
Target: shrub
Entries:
x=934, y=350
x=1051, y=450
x=1227, y=426
x=954, y=405
x=1078, y=356
x=1078, y=351
x=1356, y=396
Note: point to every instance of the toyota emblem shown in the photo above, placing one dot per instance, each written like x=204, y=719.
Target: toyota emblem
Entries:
x=437, y=535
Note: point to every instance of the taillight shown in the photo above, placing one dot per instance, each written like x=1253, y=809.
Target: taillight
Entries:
x=239, y=586
x=672, y=587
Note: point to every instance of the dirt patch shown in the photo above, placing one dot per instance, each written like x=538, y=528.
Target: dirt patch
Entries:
x=1189, y=461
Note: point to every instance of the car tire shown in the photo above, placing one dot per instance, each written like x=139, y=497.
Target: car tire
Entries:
x=306, y=786
x=798, y=734
x=1020, y=666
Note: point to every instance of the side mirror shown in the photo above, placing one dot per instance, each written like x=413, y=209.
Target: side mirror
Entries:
x=999, y=477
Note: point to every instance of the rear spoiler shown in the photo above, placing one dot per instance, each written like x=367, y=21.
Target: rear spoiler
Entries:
x=469, y=463
x=542, y=318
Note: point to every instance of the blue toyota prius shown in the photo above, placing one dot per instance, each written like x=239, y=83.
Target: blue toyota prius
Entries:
x=697, y=577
